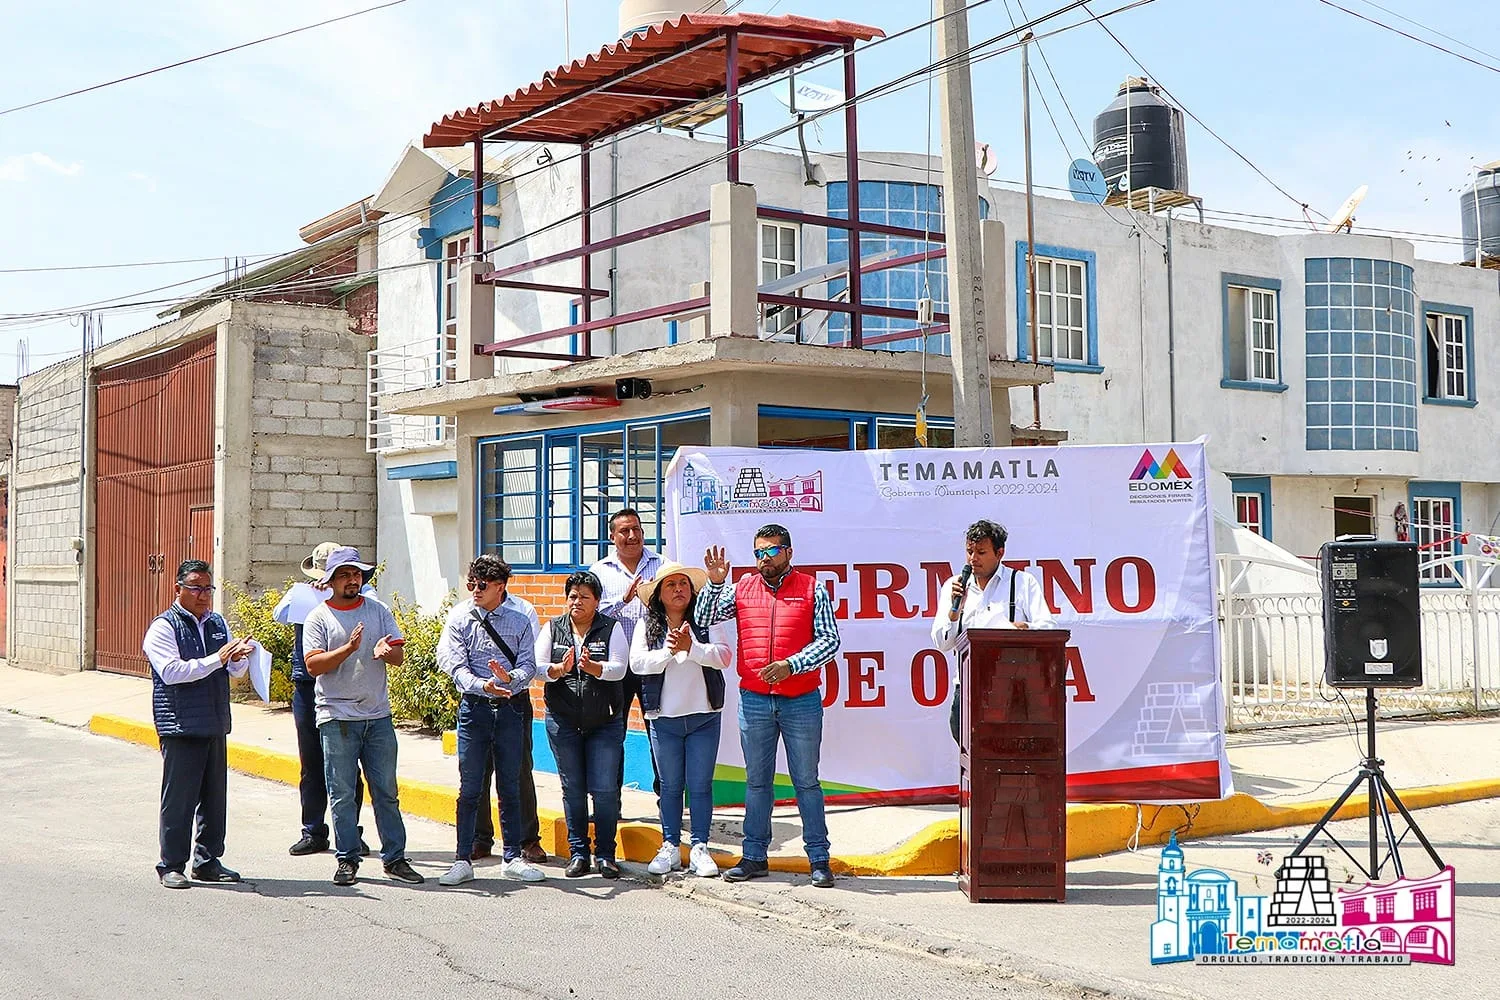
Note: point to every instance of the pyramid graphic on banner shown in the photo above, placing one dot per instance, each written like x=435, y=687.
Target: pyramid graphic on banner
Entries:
x=1172, y=719
x=750, y=485
x=1303, y=896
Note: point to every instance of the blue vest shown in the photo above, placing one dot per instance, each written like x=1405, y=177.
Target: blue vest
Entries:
x=652, y=684
x=201, y=707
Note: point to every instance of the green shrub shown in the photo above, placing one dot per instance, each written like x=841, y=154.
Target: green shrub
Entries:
x=420, y=691
x=251, y=616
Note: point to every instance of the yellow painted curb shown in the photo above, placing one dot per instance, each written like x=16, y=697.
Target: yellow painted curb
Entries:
x=450, y=743
x=1092, y=829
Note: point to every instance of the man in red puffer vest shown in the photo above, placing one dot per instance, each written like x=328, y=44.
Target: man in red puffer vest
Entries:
x=787, y=634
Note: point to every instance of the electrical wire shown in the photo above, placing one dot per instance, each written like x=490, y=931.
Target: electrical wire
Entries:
x=195, y=59
x=1406, y=34
x=1419, y=24
x=1201, y=124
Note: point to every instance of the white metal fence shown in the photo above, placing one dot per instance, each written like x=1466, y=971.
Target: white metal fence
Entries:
x=401, y=368
x=1273, y=646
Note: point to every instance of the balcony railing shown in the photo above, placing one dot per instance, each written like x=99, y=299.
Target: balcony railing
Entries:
x=417, y=365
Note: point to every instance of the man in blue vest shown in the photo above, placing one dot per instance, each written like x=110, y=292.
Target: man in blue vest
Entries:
x=192, y=655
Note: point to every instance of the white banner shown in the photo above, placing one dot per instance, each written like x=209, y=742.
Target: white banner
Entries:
x=1121, y=538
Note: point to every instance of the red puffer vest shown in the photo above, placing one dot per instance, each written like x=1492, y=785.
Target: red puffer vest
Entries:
x=772, y=625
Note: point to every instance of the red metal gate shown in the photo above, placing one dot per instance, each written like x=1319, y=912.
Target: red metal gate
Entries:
x=154, y=478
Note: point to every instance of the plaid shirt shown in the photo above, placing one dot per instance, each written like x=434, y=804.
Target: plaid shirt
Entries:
x=716, y=604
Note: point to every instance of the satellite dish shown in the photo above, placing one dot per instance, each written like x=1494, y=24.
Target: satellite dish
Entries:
x=806, y=96
x=985, y=158
x=1344, y=217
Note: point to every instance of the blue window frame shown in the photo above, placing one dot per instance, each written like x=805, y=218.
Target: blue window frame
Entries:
x=846, y=430
x=1436, y=512
x=1252, y=333
x=1067, y=310
x=1447, y=352
x=1252, y=503
x=545, y=498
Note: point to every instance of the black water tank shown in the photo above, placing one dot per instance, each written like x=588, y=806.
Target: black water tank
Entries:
x=1479, y=210
x=1157, y=137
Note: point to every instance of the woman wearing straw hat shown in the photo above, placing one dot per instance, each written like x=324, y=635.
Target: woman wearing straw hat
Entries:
x=682, y=692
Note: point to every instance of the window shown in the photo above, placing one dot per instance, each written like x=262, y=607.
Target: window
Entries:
x=1424, y=903
x=1247, y=511
x=454, y=252
x=1252, y=339
x=1252, y=503
x=1067, y=333
x=1354, y=912
x=1362, y=339
x=779, y=256
x=1448, y=364
x=545, y=500
x=1385, y=907
x=840, y=430
x=1353, y=516
x=1435, y=526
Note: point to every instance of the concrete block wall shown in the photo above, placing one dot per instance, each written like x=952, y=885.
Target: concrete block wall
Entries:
x=310, y=477
x=44, y=572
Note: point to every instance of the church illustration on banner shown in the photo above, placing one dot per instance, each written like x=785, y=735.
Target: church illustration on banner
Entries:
x=1194, y=912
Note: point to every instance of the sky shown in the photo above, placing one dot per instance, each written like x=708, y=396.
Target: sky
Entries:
x=230, y=156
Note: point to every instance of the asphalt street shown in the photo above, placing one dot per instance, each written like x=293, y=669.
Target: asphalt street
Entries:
x=82, y=915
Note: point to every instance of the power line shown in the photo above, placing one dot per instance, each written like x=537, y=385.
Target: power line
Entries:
x=194, y=59
x=1424, y=27
x=1225, y=142
x=125, y=264
x=1407, y=34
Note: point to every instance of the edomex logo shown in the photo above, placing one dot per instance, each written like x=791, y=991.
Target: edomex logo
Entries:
x=1166, y=481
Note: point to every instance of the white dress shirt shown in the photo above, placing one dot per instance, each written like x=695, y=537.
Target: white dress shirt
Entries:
x=160, y=647
x=616, y=580
x=989, y=606
x=683, y=691
x=614, y=667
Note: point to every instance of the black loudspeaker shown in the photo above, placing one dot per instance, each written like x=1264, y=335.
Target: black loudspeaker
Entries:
x=1372, y=619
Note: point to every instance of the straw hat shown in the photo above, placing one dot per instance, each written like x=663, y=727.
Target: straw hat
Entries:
x=695, y=575
x=315, y=565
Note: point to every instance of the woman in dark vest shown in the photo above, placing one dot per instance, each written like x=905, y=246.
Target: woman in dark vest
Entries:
x=588, y=656
x=682, y=692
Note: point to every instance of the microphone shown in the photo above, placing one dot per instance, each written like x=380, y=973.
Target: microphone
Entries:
x=963, y=580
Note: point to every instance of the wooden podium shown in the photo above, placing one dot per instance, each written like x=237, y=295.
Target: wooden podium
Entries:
x=1012, y=764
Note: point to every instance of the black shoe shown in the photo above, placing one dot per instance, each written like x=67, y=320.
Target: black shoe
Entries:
x=308, y=845
x=822, y=877
x=482, y=851
x=402, y=870
x=175, y=880
x=747, y=870
x=364, y=848
x=578, y=866
x=608, y=868
x=533, y=853
x=347, y=873
x=215, y=871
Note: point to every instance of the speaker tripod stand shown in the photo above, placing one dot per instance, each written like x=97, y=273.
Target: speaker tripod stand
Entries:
x=1372, y=776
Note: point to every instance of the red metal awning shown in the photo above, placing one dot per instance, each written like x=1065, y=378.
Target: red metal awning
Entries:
x=649, y=75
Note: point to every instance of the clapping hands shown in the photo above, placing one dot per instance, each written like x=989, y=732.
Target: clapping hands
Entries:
x=680, y=639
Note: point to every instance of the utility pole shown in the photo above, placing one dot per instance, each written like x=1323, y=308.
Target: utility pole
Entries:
x=973, y=411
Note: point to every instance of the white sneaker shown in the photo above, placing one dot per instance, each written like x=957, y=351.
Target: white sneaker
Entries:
x=702, y=862
x=523, y=871
x=460, y=873
x=668, y=859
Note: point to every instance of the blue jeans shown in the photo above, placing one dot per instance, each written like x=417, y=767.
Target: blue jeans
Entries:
x=491, y=734
x=799, y=723
x=367, y=745
x=311, y=786
x=588, y=762
x=686, y=749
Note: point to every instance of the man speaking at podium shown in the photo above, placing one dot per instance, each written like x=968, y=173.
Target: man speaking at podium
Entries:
x=987, y=595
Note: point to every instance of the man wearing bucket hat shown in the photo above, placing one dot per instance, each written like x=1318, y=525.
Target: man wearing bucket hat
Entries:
x=681, y=665
x=354, y=711
x=296, y=604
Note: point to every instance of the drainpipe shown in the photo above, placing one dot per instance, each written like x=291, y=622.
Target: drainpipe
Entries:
x=614, y=230
x=1171, y=343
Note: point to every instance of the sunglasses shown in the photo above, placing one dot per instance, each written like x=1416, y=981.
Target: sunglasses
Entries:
x=480, y=586
x=769, y=552
x=200, y=591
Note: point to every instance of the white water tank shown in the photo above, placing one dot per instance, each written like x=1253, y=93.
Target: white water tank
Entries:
x=638, y=15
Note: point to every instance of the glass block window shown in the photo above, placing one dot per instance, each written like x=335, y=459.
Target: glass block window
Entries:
x=892, y=203
x=1362, y=332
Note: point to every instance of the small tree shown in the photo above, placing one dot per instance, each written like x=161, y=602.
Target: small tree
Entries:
x=252, y=616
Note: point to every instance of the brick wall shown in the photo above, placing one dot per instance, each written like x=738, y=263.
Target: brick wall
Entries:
x=44, y=509
x=311, y=479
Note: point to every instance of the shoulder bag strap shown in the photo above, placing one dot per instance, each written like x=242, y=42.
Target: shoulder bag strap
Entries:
x=510, y=654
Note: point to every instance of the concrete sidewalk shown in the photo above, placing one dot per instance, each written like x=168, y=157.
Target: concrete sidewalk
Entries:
x=1284, y=778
